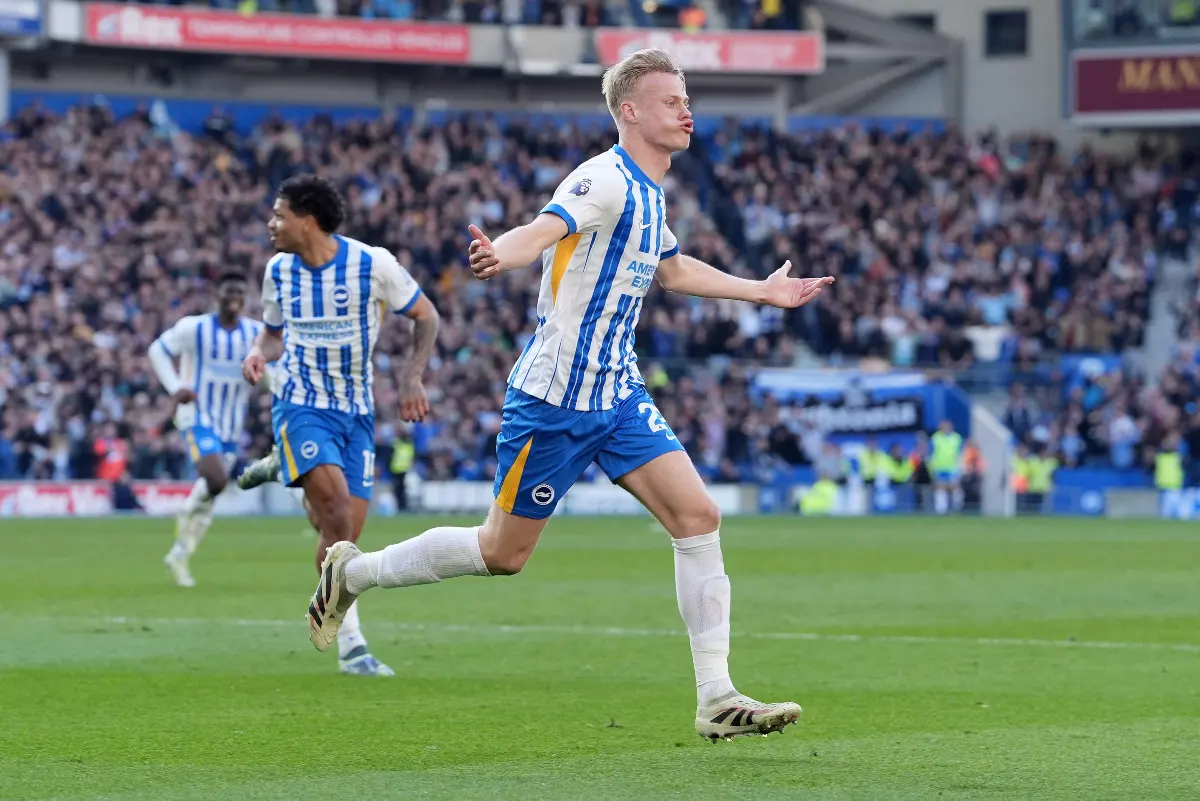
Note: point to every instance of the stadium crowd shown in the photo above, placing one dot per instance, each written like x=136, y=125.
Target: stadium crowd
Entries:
x=951, y=253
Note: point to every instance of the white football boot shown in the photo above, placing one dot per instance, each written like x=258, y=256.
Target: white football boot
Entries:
x=331, y=600
x=737, y=714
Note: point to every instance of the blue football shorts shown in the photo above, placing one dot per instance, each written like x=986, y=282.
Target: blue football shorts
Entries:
x=543, y=449
x=308, y=438
x=203, y=442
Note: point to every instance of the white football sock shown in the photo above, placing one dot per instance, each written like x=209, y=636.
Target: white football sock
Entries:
x=199, y=525
x=702, y=589
x=941, y=501
x=440, y=553
x=350, y=636
x=194, y=518
x=197, y=498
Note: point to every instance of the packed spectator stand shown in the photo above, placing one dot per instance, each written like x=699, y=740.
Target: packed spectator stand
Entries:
x=971, y=257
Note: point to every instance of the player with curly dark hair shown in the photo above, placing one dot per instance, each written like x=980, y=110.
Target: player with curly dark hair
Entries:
x=324, y=298
x=315, y=197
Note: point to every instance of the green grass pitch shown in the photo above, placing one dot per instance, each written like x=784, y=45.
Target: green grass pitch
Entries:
x=935, y=659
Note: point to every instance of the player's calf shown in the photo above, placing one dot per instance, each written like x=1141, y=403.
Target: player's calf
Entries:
x=195, y=517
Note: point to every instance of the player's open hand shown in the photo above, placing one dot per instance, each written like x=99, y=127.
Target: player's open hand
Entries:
x=482, y=255
x=414, y=405
x=790, y=293
x=253, y=367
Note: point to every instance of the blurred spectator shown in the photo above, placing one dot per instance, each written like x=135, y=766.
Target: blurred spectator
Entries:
x=124, y=499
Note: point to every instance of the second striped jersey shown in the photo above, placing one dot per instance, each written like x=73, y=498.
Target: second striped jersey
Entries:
x=330, y=316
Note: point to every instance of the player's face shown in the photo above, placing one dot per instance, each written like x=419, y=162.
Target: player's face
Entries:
x=231, y=297
x=663, y=115
x=285, y=227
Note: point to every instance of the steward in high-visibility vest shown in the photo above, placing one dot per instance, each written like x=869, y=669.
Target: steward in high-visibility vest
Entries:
x=896, y=466
x=973, y=462
x=820, y=499
x=404, y=453
x=1041, y=474
x=945, y=461
x=870, y=460
x=1021, y=469
x=1168, y=468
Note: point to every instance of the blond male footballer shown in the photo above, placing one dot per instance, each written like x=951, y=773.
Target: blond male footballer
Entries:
x=575, y=395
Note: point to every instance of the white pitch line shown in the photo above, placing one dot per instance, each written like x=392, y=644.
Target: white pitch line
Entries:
x=608, y=631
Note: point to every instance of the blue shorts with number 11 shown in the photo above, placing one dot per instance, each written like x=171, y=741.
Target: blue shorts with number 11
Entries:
x=308, y=438
x=543, y=449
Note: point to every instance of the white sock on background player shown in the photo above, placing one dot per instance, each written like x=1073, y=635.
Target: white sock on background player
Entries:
x=702, y=589
x=350, y=635
x=440, y=553
x=194, y=517
x=941, y=501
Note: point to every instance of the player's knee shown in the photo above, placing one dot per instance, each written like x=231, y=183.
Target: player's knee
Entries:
x=333, y=526
x=330, y=514
x=216, y=483
x=701, y=518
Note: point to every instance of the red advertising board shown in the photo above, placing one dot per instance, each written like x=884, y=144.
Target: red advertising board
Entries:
x=1136, y=87
x=763, y=53
x=164, y=28
x=90, y=498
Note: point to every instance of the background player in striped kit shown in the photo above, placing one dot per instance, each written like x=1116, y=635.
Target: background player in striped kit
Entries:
x=575, y=395
x=211, y=400
x=325, y=297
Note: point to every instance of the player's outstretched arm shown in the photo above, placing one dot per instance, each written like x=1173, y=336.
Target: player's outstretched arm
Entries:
x=267, y=348
x=688, y=276
x=520, y=247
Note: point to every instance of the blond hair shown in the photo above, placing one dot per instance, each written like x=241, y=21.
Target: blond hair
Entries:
x=621, y=79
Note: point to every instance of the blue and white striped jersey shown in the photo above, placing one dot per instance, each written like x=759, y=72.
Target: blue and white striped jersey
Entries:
x=593, y=280
x=210, y=364
x=330, y=317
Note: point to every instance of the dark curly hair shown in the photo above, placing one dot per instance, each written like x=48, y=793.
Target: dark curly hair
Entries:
x=316, y=197
x=231, y=276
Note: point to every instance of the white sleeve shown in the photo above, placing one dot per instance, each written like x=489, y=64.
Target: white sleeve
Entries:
x=391, y=283
x=590, y=197
x=670, y=245
x=173, y=342
x=272, y=313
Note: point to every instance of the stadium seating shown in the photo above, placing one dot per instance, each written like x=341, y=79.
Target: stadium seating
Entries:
x=955, y=254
